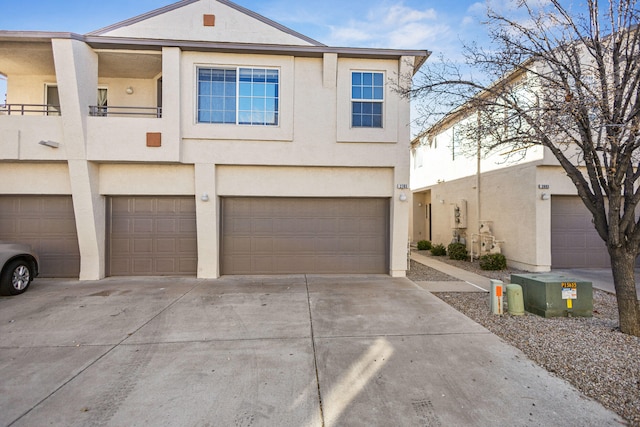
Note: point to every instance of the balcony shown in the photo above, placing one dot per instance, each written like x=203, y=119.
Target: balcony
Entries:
x=29, y=110
x=122, y=111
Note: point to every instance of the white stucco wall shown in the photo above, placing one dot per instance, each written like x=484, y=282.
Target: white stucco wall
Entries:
x=312, y=152
x=511, y=198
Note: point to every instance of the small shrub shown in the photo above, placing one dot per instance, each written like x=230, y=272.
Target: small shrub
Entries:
x=458, y=251
x=493, y=262
x=438, y=250
x=424, y=245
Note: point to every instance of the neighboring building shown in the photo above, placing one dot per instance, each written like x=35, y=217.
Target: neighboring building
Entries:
x=523, y=206
x=203, y=139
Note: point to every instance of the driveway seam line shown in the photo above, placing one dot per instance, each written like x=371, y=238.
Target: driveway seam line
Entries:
x=441, y=334
x=315, y=357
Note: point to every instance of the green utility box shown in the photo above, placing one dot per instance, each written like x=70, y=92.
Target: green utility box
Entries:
x=553, y=295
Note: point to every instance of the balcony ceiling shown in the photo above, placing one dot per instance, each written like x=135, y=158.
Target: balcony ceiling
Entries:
x=30, y=59
x=26, y=59
x=135, y=65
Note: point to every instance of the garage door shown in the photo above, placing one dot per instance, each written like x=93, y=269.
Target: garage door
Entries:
x=304, y=235
x=48, y=224
x=574, y=240
x=151, y=236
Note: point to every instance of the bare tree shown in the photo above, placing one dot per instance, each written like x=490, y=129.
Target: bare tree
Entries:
x=569, y=81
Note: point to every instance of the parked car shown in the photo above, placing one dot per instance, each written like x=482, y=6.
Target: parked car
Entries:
x=19, y=267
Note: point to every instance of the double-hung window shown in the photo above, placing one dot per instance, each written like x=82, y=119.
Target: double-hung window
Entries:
x=243, y=96
x=367, y=98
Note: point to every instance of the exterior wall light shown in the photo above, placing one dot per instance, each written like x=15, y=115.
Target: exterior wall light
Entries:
x=204, y=197
x=403, y=197
x=544, y=196
x=129, y=90
x=51, y=144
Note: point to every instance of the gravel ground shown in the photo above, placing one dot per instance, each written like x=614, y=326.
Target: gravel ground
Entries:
x=589, y=353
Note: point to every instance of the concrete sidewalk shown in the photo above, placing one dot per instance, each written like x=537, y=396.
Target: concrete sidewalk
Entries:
x=253, y=351
x=475, y=281
x=600, y=278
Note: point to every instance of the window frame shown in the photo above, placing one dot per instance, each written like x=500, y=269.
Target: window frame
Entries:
x=372, y=100
x=252, y=99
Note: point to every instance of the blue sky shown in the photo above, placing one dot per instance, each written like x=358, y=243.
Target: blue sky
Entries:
x=435, y=25
x=422, y=24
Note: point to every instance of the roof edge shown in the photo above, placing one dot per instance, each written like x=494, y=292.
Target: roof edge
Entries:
x=157, y=44
x=183, y=3
x=270, y=22
x=39, y=35
x=102, y=41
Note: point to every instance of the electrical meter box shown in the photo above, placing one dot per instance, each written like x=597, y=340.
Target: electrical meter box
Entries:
x=553, y=295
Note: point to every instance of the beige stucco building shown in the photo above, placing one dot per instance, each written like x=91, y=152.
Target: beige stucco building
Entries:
x=523, y=206
x=204, y=139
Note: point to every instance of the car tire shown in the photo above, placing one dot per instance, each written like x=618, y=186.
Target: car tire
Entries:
x=16, y=277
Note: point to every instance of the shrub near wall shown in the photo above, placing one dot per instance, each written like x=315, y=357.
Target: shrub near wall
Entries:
x=458, y=251
x=438, y=250
x=493, y=262
x=424, y=245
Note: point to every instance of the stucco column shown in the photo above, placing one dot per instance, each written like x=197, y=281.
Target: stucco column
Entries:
x=400, y=223
x=89, y=208
x=401, y=200
x=207, y=218
x=77, y=77
x=172, y=99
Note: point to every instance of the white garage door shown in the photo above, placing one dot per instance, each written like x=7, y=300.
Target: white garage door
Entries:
x=304, y=235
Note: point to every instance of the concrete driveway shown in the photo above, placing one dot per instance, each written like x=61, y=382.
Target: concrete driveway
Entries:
x=274, y=351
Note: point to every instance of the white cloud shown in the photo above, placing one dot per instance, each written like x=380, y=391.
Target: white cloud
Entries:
x=477, y=8
x=391, y=26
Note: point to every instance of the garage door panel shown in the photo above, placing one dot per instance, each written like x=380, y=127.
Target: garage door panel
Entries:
x=143, y=205
x=120, y=225
x=168, y=206
x=576, y=240
x=152, y=236
x=142, y=266
x=169, y=225
x=143, y=225
x=262, y=226
x=262, y=244
x=142, y=246
x=298, y=235
x=166, y=245
x=47, y=223
x=188, y=245
x=165, y=265
x=121, y=246
x=188, y=225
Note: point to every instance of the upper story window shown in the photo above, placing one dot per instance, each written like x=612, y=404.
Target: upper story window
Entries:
x=418, y=157
x=367, y=97
x=244, y=96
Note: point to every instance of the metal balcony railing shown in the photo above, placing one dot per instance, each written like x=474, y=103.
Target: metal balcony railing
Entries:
x=113, y=111
x=29, y=109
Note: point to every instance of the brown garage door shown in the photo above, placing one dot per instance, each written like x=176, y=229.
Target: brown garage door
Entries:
x=304, y=235
x=152, y=236
x=48, y=224
x=574, y=240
